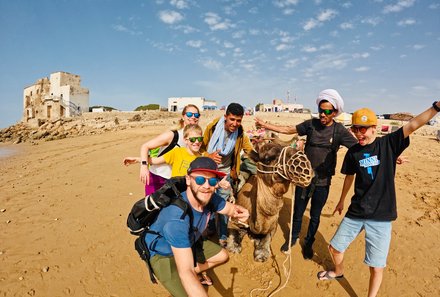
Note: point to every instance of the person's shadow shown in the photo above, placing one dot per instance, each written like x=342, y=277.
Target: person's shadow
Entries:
x=217, y=283
x=320, y=246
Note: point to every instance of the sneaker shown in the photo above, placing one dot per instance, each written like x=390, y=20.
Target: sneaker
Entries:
x=285, y=247
x=307, y=252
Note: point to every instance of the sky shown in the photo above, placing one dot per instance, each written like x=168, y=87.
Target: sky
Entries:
x=378, y=54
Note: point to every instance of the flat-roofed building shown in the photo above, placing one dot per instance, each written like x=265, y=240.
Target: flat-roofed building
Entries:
x=178, y=103
x=58, y=96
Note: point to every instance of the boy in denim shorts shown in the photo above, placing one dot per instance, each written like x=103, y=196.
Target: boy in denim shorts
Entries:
x=373, y=206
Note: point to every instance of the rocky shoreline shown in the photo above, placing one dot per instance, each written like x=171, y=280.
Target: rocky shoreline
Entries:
x=86, y=124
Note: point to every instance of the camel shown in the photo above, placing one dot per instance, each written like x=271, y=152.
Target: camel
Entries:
x=262, y=194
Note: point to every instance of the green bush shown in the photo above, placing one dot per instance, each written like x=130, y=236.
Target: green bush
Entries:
x=148, y=107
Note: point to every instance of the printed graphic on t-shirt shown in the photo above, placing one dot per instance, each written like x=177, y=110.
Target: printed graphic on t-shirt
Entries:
x=369, y=162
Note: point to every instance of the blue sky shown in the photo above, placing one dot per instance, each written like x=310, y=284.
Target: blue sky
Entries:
x=378, y=54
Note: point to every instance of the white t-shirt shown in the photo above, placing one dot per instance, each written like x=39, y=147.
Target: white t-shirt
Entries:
x=164, y=170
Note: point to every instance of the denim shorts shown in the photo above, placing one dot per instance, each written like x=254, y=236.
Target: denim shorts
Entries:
x=377, y=239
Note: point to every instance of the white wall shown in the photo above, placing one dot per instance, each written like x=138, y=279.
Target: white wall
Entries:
x=178, y=103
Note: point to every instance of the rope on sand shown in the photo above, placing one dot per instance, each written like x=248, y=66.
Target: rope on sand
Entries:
x=286, y=270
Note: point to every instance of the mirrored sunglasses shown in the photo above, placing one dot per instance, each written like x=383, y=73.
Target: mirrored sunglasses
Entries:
x=193, y=139
x=362, y=129
x=190, y=114
x=200, y=180
x=325, y=111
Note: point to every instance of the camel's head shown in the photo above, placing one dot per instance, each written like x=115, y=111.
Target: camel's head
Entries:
x=282, y=163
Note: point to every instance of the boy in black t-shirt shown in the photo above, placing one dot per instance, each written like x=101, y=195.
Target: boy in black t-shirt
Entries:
x=373, y=206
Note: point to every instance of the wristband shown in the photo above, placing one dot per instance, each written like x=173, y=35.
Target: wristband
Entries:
x=437, y=109
x=144, y=163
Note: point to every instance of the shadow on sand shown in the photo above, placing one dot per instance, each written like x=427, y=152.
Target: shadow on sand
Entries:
x=320, y=247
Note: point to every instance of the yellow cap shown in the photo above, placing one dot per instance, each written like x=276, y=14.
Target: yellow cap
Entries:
x=364, y=117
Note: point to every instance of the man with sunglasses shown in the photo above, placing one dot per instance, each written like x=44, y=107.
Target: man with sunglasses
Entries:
x=324, y=136
x=224, y=140
x=171, y=248
x=373, y=205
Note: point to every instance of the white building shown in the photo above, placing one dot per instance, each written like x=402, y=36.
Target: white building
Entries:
x=58, y=96
x=178, y=103
x=278, y=106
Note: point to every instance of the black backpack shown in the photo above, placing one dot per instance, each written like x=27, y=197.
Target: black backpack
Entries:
x=145, y=211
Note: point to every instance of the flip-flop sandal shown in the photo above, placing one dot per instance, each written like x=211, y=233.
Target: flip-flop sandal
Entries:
x=327, y=276
x=205, y=279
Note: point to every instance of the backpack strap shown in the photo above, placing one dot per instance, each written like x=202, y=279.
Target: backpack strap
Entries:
x=172, y=144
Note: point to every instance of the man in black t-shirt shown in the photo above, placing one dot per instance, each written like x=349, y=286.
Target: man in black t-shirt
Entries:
x=324, y=136
x=373, y=206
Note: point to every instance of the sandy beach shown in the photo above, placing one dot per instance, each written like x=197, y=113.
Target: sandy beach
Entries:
x=63, y=214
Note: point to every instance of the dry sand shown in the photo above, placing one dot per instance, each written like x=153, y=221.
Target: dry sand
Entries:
x=64, y=204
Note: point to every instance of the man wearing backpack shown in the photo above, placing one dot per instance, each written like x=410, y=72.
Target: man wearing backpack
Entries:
x=172, y=236
x=324, y=136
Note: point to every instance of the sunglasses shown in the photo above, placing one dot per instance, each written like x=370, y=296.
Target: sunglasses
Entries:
x=190, y=114
x=193, y=139
x=200, y=180
x=325, y=111
x=362, y=129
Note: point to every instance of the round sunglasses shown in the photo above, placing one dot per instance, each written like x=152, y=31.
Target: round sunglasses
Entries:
x=190, y=114
x=325, y=111
x=361, y=129
x=200, y=180
x=193, y=139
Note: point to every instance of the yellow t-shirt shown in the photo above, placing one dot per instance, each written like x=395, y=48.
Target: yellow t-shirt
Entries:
x=179, y=159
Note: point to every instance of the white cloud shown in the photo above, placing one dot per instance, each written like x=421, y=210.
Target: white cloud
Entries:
x=309, y=49
x=211, y=64
x=407, y=22
x=285, y=3
x=228, y=44
x=121, y=28
x=194, y=43
x=346, y=26
x=362, y=69
x=418, y=46
x=310, y=24
x=215, y=22
x=327, y=15
x=282, y=47
x=186, y=29
x=288, y=11
x=399, y=6
x=254, y=32
x=323, y=16
x=291, y=63
x=361, y=55
x=377, y=47
x=239, y=34
x=434, y=6
x=374, y=21
x=180, y=4
x=170, y=17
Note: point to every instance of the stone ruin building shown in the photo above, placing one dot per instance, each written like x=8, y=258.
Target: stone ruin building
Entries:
x=58, y=96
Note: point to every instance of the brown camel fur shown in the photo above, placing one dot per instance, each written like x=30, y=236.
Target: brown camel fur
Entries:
x=262, y=195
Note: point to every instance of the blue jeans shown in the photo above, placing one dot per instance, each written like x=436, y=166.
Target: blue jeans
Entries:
x=222, y=220
x=319, y=198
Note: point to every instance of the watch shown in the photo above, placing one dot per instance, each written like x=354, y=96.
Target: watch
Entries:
x=435, y=106
x=144, y=163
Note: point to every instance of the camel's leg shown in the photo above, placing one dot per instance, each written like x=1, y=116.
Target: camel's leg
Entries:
x=262, y=248
x=234, y=240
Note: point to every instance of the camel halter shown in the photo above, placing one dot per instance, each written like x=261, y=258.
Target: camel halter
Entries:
x=296, y=169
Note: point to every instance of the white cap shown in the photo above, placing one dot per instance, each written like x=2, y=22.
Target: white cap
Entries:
x=333, y=97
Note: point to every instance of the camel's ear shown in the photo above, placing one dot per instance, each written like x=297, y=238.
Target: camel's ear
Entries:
x=254, y=154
